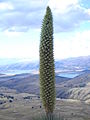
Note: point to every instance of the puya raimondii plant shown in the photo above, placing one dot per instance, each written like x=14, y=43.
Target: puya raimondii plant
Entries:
x=47, y=71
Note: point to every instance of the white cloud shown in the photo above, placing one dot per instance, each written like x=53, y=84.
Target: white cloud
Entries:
x=88, y=10
x=76, y=45
x=12, y=34
x=68, y=14
x=20, y=50
x=26, y=45
x=21, y=22
x=61, y=5
x=6, y=6
x=23, y=15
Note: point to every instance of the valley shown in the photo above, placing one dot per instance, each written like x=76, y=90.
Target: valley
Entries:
x=20, y=91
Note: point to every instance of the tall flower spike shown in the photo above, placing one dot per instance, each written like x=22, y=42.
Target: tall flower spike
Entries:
x=47, y=72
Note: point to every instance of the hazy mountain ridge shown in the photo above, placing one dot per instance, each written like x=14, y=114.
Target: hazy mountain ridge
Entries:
x=70, y=64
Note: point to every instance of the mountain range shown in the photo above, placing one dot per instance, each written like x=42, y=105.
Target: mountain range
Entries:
x=26, y=66
x=68, y=88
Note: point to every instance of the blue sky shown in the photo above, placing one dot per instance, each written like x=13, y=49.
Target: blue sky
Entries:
x=20, y=23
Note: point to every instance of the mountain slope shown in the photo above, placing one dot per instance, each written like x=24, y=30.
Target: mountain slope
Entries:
x=76, y=88
x=25, y=82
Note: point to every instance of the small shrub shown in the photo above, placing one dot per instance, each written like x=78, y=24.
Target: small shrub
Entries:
x=10, y=101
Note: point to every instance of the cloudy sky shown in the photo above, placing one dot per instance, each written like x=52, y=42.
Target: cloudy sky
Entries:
x=20, y=23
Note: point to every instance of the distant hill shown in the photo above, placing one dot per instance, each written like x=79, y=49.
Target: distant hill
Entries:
x=76, y=88
x=25, y=82
x=74, y=64
x=66, y=65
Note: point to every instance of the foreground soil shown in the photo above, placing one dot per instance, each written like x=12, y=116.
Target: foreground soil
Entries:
x=24, y=108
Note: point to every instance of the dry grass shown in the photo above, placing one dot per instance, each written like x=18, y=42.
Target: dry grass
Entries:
x=25, y=109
